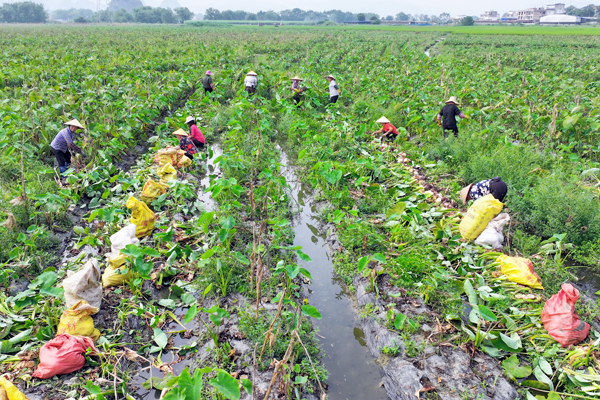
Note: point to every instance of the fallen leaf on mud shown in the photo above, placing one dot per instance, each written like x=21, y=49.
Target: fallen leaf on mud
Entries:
x=423, y=390
x=17, y=201
x=231, y=354
x=166, y=368
x=239, y=336
x=131, y=355
x=10, y=222
x=236, y=373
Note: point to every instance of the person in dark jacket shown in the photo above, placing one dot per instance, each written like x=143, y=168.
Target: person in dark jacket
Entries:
x=447, y=117
x=207, y=82
x=63, y=142
x=495, y=186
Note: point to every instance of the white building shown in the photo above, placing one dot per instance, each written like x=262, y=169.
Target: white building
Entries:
x=557, y=8
x=489, y=16
x=531, y=14
x=560, y=19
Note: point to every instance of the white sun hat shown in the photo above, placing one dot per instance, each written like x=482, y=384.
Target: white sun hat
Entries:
x=189, y=119
x=383, y=120
x=452, y=100
x=252, y=73
x=75, y=123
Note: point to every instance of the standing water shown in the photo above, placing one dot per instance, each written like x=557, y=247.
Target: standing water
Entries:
x=353, y=373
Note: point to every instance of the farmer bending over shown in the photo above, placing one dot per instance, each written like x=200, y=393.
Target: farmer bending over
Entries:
x=495, y=186
x=449, y=113
x=63, y=142
x=185, y=143
x=389, y=131
x=251, y=82
x=195, y=135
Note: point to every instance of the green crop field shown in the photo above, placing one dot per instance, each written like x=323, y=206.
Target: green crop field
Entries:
x=218, y=284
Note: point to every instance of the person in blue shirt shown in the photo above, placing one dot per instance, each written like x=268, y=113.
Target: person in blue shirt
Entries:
x=63, y=142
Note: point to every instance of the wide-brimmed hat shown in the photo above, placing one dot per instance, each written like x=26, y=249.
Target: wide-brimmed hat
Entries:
x=464, y=193
x=383, y=120
x=209, y=73
x=452, y=100
x=330, y=76
x=75, y=123
x=297, y=78
x=180, y=132
x=252, y=73
x=190, y=119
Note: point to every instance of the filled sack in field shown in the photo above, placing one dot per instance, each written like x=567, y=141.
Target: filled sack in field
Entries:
x=76, y=321
x=121, y=239
x=167, y=173
x=492, y=234
x=560, y=318
x=62, y=355
x=141, y=216
x=478, y=216
x=152, y=190
x=114, y=274
x=170, y=155
x=519, y=270
x=84, y=285
x=11, y=390
x=184, y=162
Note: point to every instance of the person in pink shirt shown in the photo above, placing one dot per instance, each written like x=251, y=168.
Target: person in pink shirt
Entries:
x=195, y=135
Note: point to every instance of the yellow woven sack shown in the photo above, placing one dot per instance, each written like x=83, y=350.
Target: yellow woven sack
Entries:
x=167, y=173
x=520, y=270
x=141, y=216
x=11, y=390
x=152, y=190
x=183, y=161
x=76, y=321
x=479, y=215
x=167, y=156
x=112, y=275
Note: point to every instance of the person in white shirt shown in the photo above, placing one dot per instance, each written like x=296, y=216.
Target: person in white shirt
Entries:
x=334, y=90
x=251, y=81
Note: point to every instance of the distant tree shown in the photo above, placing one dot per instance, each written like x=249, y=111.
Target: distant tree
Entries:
x=167, y=16
x=184, y=14
x=361, y=17
x=402, y=17
x=122, y=16
x=271, y=16
x=375, y=21
x=103, y=16
x=444, y=18
x=81, y=20
x=295, y=14
x=467, y=21
x=212, y=14
x=389, y=18
x=128, y=5
x=251, y=17
x=149, y=15
x=22, y=12
x=72, y=13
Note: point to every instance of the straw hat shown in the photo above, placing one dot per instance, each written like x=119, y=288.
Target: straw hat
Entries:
x=252, y=73
x=297, y=78
x=209, y=73
x=464, y=193
x=383, y=120
x=330, y=76
x=75, y=123
x=452, y=100
x=180, y=132
x=190, y=119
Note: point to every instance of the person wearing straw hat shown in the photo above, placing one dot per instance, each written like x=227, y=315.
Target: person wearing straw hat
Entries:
x=63, y=142
x=447, y=117
x=207, y=82
x=185, y=143
x=495, y=186
x=195, y=135
x=251, y=82
x=389, y=131
x=297, y=90
x=334, y=90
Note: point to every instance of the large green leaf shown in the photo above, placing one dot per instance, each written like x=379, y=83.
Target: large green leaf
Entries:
x=513, y=370
x=227, y=385
x=486, y=313
x=160, y=338
x=311, y=311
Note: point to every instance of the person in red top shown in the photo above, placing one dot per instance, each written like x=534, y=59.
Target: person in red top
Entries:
x=389, y=131
x=195, y=135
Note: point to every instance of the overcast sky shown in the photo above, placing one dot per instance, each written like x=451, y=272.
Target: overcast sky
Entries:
x=381, y=7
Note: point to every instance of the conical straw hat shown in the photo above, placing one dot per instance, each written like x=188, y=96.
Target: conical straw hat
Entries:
x=330, y=76
x=464, y=193
x=297, y=78
x=75, y=123
x=383, y=120
x=252, y=73
x=452, y=100
x=180, y=132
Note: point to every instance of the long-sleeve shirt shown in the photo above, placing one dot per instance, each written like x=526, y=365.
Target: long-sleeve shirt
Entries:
x=295, y=86
x=186, y=144
x=250, y=81
x=387, y=128
x=196, y=134
x=449, y=112
x=62, y=140
x=333, y=88
x=207, y=82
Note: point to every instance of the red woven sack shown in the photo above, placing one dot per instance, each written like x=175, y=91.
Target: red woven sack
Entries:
x=62, y=355
x=560, y=318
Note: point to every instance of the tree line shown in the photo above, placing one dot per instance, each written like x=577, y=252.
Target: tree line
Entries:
x=22, y=12
x=144, y=15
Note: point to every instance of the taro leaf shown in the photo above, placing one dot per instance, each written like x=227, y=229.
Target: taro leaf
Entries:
x=227, y=385
x=228, y=223
x=379, y=257
x=192, y=385
x=362, y=263
x=303, y=257
x=247, y=385
x=305, y=272
x=160, y=338
x=471, y=293
x=21, y=337
x=539, y=374
x=399, y=321
x=487, y=314
x=311, y=311
x=168, y=382
x=499, y=344
x=45, y=280
x=491, y=351
x=292, y=271
x=191, y=313
x=397, y=209
x=241, y=258
x=300, y=380
x=188, y=298
x=144, y=268
x=208, y=254
x=511, y=366
x=553, y=396
x=514, y=341
x=169, y=303
x=132, y=250
x=545, y=366
x=536, y=385
x=223, y=234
